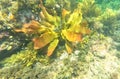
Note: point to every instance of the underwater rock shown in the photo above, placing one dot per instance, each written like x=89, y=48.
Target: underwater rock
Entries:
x=65, y=68
x=9, y=41
x=9, y=44
x=101, y=47
x=97, y=25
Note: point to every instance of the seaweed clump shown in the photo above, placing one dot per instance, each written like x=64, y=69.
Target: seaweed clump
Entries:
x=25, y=58
x=51, y=30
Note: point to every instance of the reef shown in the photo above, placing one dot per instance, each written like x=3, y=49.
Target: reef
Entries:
x=59, y=39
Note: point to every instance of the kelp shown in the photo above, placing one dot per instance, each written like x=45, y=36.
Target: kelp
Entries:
x=53, y=29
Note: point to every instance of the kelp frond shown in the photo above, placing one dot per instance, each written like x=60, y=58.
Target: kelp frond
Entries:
x=69, y=24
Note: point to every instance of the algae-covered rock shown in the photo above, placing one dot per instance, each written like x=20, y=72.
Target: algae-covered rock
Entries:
x=26, y=58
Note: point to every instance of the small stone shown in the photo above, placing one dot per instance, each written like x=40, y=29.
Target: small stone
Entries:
x=9, y=48
x=11, y=37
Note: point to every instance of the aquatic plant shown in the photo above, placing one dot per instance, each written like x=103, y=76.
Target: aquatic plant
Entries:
x=24, y=57
x=67, y=27
x=90, y=8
